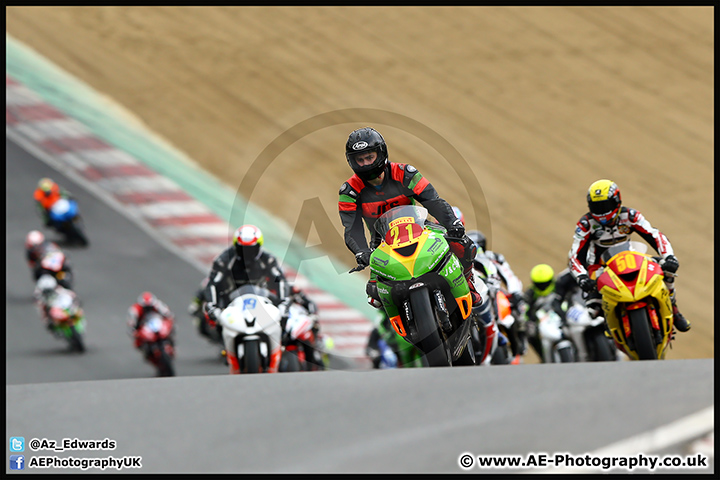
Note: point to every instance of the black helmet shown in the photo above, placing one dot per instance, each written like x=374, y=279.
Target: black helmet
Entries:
x=365, y=140
x=478, y=238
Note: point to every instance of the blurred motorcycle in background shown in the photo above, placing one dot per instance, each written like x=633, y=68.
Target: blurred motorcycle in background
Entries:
x=60, y=308
x=65, y=219
x=156, y=343
x=302, y=346
x=251, y=331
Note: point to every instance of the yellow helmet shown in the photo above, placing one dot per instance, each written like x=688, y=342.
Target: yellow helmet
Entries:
x=604, y=201
x=542, y=277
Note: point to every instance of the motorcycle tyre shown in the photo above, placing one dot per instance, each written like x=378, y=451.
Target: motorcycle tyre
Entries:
x=435, y=352
x=165, y=365
x=566, y=355
x=500, y=356
x=640, y=325
x=76, y=341
x=289, y=362
x=601, y=346
x=467, y=358
x=76, y=234
x=252, y=359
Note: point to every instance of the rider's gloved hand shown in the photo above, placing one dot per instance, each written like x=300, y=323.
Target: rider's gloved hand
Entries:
x=363, y=258
x=457, y=229
x=585, y=283
x=670, y=264
x=213, y=312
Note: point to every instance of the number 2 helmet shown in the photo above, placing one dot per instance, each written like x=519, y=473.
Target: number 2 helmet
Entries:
x=365, y=140
x=604, y=201
x=248, y=241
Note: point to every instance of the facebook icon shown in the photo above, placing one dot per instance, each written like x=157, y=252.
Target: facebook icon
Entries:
x=17, y=462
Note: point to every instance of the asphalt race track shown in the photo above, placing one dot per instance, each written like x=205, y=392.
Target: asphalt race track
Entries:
x=205, y=421
x=120, y=263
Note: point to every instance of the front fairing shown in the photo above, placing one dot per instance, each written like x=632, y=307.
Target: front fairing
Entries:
x=634, y=280
x=412, y=255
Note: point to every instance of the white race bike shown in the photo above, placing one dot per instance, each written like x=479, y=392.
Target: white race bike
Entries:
x=251, y=331
x=579, y=338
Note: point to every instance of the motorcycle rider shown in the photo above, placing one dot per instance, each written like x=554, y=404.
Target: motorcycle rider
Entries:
x=495, y=271
x=46, y=194
x=47, y=292
x=379, y=185
x=549, y=292
x=607, y=223
x=138, y=312
x=43, y=256
x=386, y=349
x=313, y=356
x=205, y=325
x=245, y=262
x=35, y=246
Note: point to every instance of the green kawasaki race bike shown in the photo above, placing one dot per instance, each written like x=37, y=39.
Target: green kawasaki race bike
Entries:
x=422, y=287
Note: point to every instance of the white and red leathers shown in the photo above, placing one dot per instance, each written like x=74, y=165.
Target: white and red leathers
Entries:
x=137, y=313
x=591, y=239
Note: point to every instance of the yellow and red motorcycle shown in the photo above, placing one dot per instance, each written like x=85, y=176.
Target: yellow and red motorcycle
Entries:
x=635, y=301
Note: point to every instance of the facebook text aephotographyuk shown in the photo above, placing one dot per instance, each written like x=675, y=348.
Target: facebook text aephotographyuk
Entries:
x=85, y=463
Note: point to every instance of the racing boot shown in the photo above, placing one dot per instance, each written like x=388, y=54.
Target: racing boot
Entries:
x=679, y=320
x=372, y=293
x=477, y=299
x=485, y=321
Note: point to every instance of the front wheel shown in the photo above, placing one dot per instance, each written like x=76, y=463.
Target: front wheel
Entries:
x=563, y=352
x=251, y=357
x=500, y=356
x=165, y=366
x=640, y=325
x=289, y=362
x=76, y=341
x=600, y=347
x=435, y=353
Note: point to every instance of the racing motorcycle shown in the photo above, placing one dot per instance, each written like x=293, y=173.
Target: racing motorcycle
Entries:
x=386, y=349
x=586, y=333
x=65, y=219
x=252, y=331
x=635, y=301
x=155, y=335
x=504, y=318
x=61, y=308
x=422, y=287
x=301, y=343
x=55, y=263
x=554, y=334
